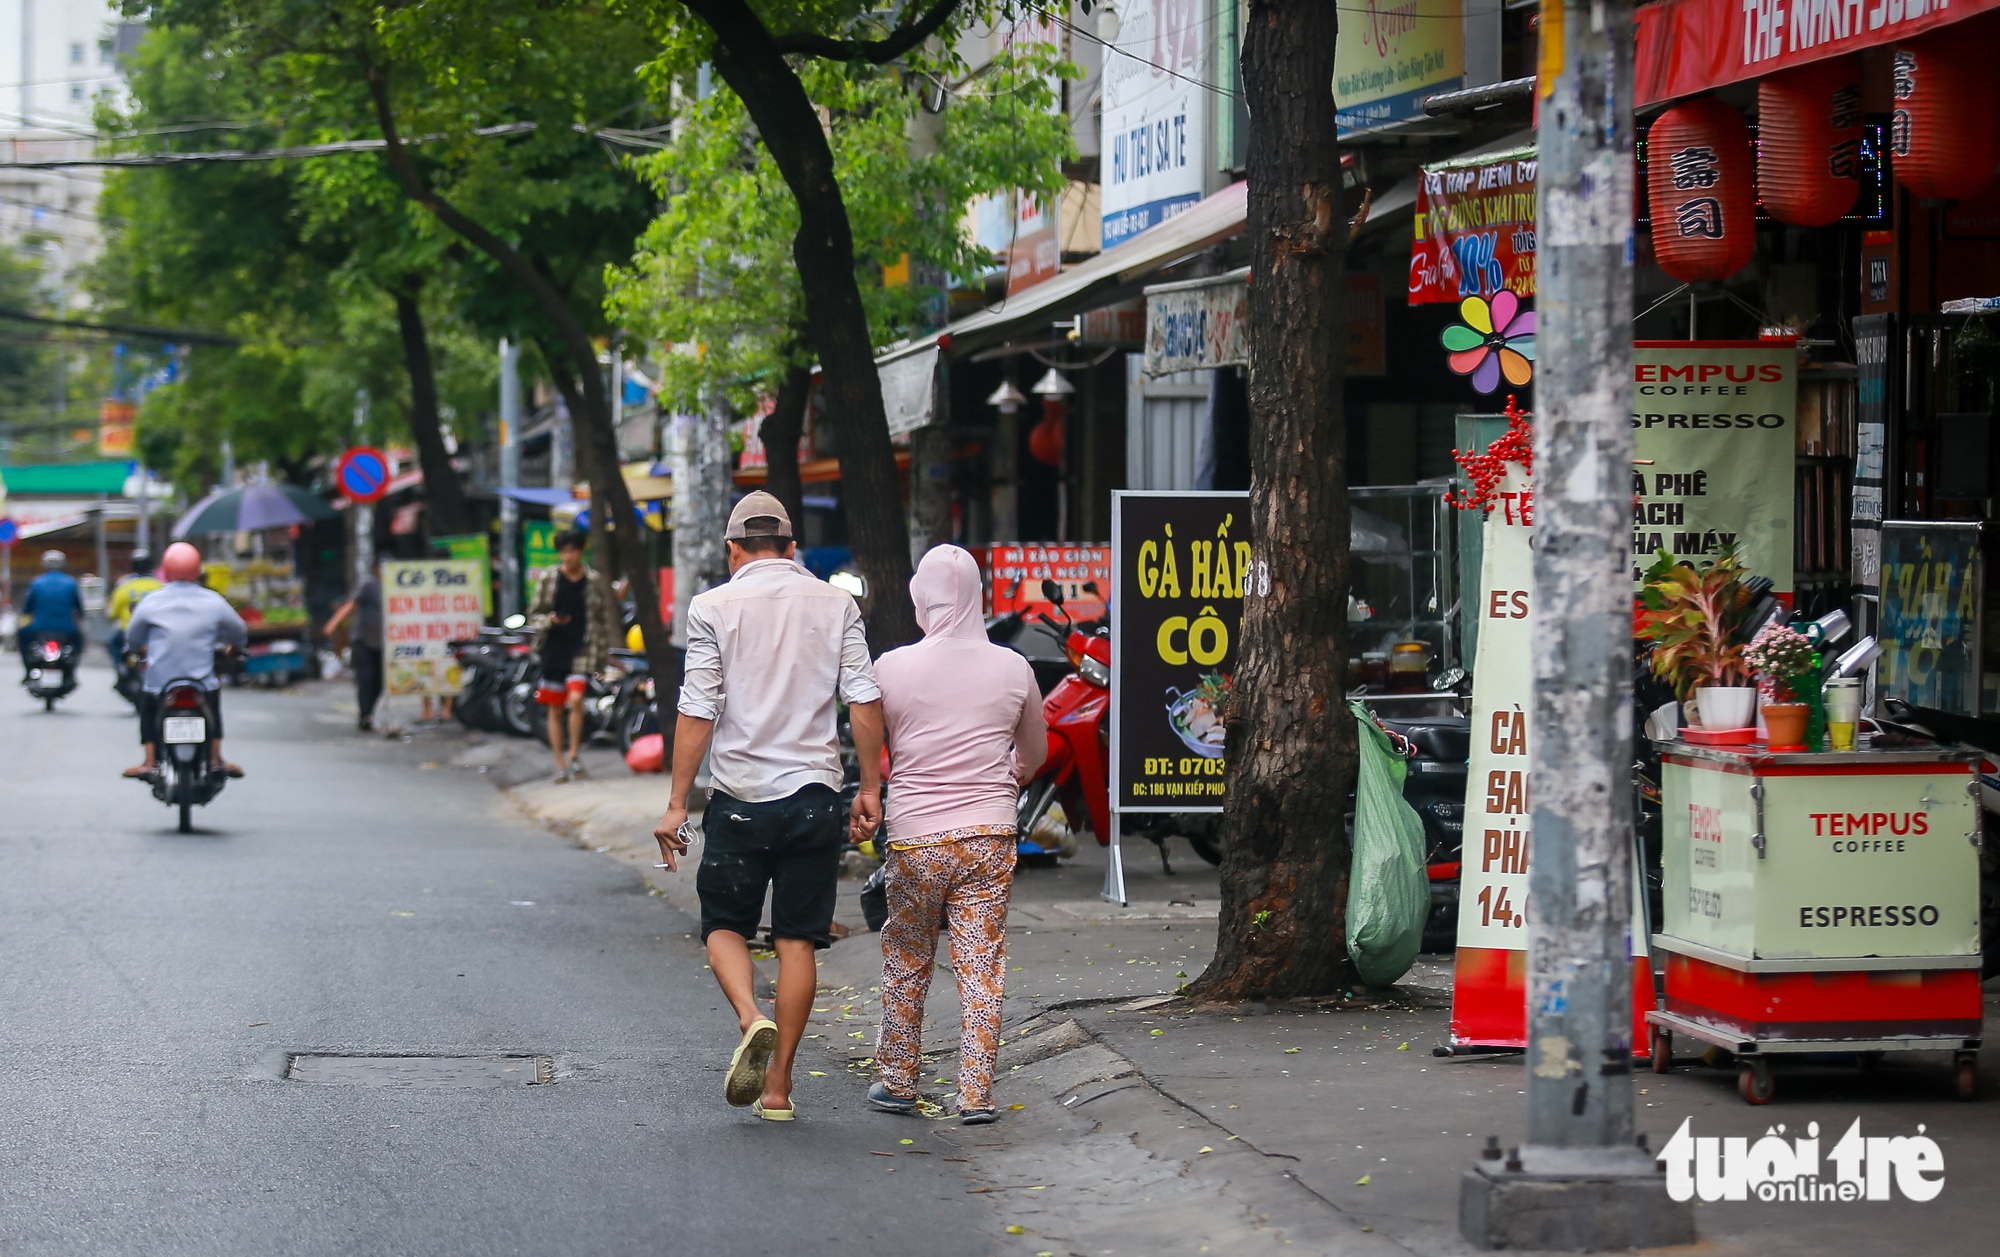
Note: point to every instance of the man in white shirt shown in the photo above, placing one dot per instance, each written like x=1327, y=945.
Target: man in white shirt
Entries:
x=766, y=654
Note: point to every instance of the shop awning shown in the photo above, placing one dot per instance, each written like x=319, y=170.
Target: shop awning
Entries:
x=1690, y=46
x=812, y=471
x=538, y=496
x=1112, y=275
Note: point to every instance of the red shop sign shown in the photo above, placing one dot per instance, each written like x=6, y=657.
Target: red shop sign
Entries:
x=1690, y=46
x=1475, y=230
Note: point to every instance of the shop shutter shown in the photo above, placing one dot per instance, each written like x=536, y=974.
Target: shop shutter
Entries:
x=1809, y=142
x=1700, y=191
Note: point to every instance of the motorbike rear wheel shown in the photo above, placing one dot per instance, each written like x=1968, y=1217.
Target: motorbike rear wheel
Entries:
x=519, y=710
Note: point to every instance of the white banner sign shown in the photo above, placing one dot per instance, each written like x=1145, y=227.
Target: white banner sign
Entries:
x=426, y=605
x=1155, y=119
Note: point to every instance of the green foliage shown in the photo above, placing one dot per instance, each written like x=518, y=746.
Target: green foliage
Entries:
x=713, y=274
x=266, y=253
x=1694, y=616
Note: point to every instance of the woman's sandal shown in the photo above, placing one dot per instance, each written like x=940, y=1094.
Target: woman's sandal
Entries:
x=773, y=1115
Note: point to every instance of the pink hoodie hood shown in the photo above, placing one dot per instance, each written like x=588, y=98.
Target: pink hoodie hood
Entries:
x=946, y=592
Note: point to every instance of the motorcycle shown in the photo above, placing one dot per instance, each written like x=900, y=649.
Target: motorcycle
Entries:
x=632, y=710
x=51, y=669
x=484, y=663
x=185, y=777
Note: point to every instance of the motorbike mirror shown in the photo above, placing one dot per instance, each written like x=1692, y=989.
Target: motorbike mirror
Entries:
x=514, y=621
x=1090, y=587
x=1448, y=680
x=1052, y=592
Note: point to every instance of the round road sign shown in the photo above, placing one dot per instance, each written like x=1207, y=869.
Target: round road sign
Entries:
x=10, y=532
x=363, y=473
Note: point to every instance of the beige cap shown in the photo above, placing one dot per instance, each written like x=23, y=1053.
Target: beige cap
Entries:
x=758, y=515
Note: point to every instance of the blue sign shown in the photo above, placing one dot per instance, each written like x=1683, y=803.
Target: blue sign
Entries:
x=10, y=532
x=363, y=473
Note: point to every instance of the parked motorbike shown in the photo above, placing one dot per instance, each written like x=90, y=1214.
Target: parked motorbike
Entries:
x=186, y=777
x=633, y=713
x=51, y=669
x=484, y=664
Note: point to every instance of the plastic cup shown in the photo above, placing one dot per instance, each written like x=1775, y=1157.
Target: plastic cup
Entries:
x=1843, y=711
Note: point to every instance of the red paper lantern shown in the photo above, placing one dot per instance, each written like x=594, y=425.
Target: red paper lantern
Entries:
x=1945, y=133
x=1809, y=142
x=1700, y=190
x=1045, y=439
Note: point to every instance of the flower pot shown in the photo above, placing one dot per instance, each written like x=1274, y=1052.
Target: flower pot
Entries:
x=1787, y=725
x=1726, y=706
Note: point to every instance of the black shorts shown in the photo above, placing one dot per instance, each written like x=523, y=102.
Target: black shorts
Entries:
x=791, y=845
x=149, y=716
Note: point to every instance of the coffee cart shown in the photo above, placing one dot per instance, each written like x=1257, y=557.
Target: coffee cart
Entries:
x=1820, y=903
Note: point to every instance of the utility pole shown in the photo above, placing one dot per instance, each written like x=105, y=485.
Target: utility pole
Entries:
x=1581, y=1181
x=364, y=512
x=510, y=478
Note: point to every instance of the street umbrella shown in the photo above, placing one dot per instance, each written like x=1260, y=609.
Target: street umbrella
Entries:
x=252, y=507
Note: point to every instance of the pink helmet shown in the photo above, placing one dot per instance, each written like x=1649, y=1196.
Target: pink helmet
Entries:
x=181, y=562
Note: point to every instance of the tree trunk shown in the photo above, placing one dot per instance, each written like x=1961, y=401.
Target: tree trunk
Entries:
x=1291, y=742
x=750, y=62
x=596, y=441
x=780, y=434
x=603, y=546
x=444, y=498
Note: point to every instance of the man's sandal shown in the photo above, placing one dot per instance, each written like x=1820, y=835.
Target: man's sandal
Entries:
x=774, y=1115
x=748, y=1063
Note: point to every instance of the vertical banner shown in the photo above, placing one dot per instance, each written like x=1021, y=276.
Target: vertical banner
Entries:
x=1155, y=115
x=1489, y=1002
x=427, y=604
x=1181, y=562
x=1713, y=435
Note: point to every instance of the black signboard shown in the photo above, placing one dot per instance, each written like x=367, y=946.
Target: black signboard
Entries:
x=1180, y=562
x=1933, y=590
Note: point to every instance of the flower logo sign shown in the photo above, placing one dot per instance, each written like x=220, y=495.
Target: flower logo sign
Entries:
x=1495, y=340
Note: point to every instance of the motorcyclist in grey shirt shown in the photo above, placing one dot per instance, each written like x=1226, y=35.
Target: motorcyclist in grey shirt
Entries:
x=178, y=628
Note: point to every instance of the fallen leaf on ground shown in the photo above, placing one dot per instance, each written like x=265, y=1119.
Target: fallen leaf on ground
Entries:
x=816, y=1073
x=1291, y=1051
x=1017, y=1230
x=906, y=1141
x=1015, y=1108
x=1204, y=1148
x=1363, y=1180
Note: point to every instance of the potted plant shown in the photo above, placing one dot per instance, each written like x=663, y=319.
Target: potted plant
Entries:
x=1785, y=660
x=1694, y=616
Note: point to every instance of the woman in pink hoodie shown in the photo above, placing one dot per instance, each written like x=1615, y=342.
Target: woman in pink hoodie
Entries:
x=964, y=729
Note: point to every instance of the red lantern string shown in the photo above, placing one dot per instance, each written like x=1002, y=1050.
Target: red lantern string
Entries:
x=1488, y=469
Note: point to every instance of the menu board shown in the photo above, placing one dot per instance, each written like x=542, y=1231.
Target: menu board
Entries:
x=1181, y=562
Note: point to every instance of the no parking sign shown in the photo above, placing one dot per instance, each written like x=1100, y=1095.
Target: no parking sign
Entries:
x=363, y=473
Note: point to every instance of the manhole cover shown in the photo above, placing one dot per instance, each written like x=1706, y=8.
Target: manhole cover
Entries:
x=427, y=1072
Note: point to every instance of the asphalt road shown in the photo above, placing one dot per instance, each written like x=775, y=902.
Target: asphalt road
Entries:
x=153, y=985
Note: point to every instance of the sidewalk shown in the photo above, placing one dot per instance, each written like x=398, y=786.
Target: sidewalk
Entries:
x=1147, y=1126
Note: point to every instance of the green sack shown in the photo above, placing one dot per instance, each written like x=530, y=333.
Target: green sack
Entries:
x=1388, y=894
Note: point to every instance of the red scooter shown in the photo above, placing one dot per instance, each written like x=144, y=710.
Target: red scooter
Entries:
x=1078, y=712
x=1076, y=772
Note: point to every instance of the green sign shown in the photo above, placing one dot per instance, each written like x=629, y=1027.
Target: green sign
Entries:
x=472, y=547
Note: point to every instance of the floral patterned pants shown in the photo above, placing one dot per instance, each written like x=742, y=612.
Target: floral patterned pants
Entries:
x=962, y=884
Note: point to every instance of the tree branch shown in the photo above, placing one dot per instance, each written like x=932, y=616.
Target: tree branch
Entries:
x=874, y=51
